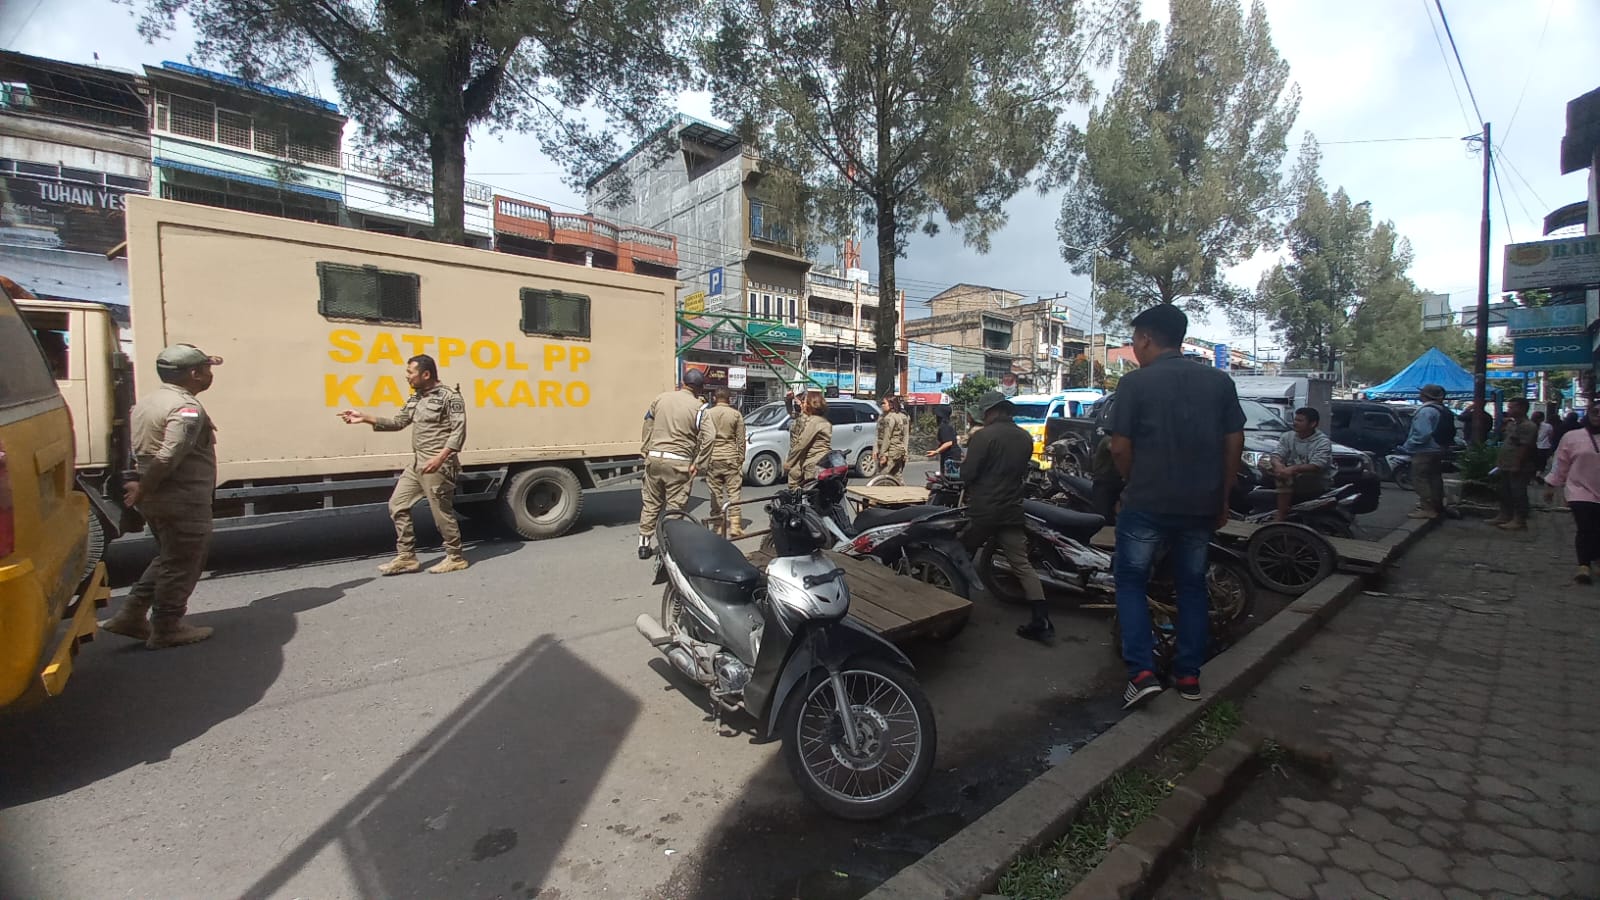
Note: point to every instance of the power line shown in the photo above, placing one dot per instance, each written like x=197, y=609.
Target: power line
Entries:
x=25, y=20
x=1551, y=8
x=1515, y=193
x=1391, y=140
x=1504, y=210
x=1501, y=155
x=1439, y=4
x=1448, y=72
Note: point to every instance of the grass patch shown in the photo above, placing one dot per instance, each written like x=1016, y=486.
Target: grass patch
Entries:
x=1116, y=809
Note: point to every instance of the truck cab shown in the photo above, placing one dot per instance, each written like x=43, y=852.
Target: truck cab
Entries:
x=1034, y=411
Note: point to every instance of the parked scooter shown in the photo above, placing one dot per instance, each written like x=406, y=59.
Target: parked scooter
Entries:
x=1399, y=463
x=923, y=542
x=1330, y=513
x=1060, y=551
x=858, y=733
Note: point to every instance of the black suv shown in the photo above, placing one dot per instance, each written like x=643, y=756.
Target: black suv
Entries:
x=1370, y=427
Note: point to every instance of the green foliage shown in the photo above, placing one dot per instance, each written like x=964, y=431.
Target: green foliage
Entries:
x=1343, y=293
x=964, y=396
x=1078, y=373
x=899, y=114
x=1477, y=461
x=419, y=76
x=1176, y=175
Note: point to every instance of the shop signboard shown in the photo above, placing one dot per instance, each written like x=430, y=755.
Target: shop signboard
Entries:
x=53, y=214
x=1564, y=262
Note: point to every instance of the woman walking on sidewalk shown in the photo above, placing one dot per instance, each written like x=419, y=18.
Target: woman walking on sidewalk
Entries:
x=1577, y=470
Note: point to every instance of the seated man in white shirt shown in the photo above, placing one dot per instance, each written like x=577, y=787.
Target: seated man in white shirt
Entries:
x=1303, y=465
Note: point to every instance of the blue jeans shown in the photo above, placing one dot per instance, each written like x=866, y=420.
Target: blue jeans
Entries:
x=1140, y=539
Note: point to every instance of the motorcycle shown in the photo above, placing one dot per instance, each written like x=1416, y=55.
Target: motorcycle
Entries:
x=858, y=733
x=1331, y=513
x=920, y=541
x=1399, y=463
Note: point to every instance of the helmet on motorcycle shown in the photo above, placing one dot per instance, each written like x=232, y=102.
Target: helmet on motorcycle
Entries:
x=833, y=465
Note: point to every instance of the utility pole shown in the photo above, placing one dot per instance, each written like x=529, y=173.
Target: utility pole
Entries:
x=1480, y=378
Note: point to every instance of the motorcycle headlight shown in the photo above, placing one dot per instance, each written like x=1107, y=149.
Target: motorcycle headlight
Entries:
x=1368, y=467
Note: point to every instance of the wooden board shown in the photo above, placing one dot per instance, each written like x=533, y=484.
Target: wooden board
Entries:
x=889, y=495
x=1354, y=555
x=895, y=606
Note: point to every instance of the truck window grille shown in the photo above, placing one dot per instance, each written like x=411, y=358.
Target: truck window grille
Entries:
x=555, y=313
x=369, y=294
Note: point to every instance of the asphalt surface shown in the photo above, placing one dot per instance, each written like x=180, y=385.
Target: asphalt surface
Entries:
x=498, y=732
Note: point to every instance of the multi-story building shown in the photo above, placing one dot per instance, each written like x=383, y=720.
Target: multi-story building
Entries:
x=1032, y=340
x=740, y=258
x=73, y=144
x=841, y=330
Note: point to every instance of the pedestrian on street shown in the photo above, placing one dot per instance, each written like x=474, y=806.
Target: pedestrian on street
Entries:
x=1177, y=434
x=945, y=446
x=437, y=417
x=672, y=450
x=1545, y=446
x=1303, y=465
x=810, y=439
x=1577, y=472
x=894, y=438
x=1433, y=432
x=993, y=472
x=174, y=447
x=722, y=437
x=1516, y=464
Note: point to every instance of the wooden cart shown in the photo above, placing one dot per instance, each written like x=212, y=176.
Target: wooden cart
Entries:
x=898, y=607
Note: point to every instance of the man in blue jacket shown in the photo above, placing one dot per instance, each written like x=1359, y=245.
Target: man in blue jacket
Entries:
x=1427, y=451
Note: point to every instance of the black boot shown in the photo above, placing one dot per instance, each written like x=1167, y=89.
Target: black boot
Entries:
x=1039, y=628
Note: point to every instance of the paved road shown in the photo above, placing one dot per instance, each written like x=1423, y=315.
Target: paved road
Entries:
x=501, y=732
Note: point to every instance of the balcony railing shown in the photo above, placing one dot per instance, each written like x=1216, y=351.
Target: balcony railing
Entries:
x=475, y=191
x=584, y=231
x=830, y=319
x=524, y=220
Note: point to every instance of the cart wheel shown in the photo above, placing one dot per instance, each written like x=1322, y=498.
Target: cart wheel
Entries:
x=1289, y=558
x=885, y=480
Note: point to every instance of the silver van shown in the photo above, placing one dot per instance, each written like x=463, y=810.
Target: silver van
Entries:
x=855, y=429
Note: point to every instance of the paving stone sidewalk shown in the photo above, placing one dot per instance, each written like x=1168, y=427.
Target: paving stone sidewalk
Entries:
x=1463, y=716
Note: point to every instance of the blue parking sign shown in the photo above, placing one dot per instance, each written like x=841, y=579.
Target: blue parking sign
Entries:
x=714, y=285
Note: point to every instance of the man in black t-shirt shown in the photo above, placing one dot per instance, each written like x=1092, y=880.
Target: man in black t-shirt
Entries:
x=946, y=449
x=1177, y=435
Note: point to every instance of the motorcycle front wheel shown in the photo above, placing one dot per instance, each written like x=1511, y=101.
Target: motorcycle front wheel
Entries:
x=931, y=567
x=996, y=572
x=1232, y=593
x=895, y=740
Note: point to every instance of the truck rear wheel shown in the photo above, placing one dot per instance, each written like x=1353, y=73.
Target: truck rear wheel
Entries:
x=96, y=545
x=542, y=503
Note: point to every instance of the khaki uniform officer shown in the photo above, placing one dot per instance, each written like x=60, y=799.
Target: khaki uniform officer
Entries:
x=437, y=417
x=810, y=439
x=894, y=438
x=174, y=446
x=723, y=432
x=672, y=453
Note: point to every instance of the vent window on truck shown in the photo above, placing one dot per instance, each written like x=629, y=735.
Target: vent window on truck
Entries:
x=369, y=294
x=555, y=313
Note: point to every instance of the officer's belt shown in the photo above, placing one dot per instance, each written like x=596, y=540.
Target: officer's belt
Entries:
x=662, y=454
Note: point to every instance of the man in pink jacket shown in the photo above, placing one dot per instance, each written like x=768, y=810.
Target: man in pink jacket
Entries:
x=1577, y=471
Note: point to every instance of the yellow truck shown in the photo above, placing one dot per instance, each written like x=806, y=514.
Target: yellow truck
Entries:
x=556, y=362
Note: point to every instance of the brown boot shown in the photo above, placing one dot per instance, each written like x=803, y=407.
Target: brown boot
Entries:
x=166, y=633
x=449, y=564
x=404, y=564
x=130, y=621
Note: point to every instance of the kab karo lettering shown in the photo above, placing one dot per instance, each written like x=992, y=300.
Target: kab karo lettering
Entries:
x=554, y=385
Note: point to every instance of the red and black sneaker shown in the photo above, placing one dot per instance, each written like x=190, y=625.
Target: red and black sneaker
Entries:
x=1189, y=687
x=1143, y=685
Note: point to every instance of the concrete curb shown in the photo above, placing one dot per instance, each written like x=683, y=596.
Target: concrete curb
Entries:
x=971, y=861
x=1150, y=845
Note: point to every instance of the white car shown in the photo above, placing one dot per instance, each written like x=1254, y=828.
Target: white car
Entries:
x=855, y=429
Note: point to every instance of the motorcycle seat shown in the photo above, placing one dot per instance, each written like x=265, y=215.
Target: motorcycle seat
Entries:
x=876, y=516
x=701, y=554
x=1078, y=483
x=1077, y=525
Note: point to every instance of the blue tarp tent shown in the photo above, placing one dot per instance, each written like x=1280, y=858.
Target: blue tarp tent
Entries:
x=1432, y=367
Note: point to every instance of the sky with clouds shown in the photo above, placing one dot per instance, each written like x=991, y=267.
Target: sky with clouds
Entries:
x=1369, y=71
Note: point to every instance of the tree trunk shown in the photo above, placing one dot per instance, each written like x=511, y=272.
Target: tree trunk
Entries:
x=886, y=363
x=448, y=150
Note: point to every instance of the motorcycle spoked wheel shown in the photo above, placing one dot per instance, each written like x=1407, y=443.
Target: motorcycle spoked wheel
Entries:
x=999, y=581
x=1232, y=593
x=937, y=570
x=896, y=740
